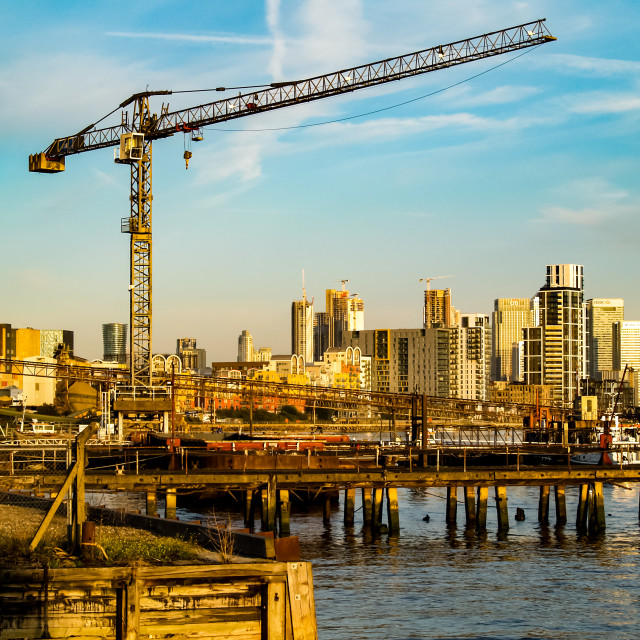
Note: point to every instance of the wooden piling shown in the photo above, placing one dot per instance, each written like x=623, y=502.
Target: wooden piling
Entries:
x=284, y=512
x=152, y=503
x=452, y=505
x=502, y=508
x=470, y=506
x=597, y=520
x=349, y=506
x=367, y=507
x=265, y=510
x=583, y=508
x=376, y=513
x=561, y=505
x=170, y=504
x=247, y=510
x=481, y=512
x=268, y=499
x=543, y=504
x=326, y=508
x=393, y=513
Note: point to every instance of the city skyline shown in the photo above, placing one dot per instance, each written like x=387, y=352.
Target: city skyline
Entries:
x=532, y=163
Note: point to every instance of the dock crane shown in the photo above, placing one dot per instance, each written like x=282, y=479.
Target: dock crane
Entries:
x=139, y=127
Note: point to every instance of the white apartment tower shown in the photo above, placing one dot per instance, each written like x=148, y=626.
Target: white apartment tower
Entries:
x=602, y=313
x=510, y=316
x=474, y=356
x=626, y=351
x=245, y=347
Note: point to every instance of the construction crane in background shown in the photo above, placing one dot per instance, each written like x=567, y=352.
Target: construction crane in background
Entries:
x=139, y=127
x=428, y=280
x=428, y=302
x=344, y=282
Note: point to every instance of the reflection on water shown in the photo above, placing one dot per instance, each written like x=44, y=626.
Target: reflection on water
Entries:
x=434, y=581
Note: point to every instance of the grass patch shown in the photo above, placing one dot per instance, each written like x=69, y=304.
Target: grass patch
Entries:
x=123, y=545
x=115, y=545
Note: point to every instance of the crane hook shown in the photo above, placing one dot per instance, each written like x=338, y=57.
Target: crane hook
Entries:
x=187, y=156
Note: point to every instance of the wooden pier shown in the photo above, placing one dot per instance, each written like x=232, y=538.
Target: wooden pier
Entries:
x=253, y=601
x=268, y=491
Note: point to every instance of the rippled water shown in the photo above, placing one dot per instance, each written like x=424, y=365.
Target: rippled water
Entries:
x=433, y=582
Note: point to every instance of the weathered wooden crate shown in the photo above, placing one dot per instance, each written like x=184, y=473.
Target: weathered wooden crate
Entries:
x=257, y=601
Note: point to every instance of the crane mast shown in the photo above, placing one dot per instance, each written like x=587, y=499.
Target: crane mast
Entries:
x=134, y=138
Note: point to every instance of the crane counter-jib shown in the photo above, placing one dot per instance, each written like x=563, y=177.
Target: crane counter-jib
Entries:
x=283, y=94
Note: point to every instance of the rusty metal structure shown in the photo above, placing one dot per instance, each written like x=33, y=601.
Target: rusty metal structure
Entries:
x=400, y=406
x=139, y=127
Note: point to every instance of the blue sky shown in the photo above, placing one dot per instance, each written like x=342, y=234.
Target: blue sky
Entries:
x=533, y=163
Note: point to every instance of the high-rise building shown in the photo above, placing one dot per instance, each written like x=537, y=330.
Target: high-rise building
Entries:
x=410, y=360
x=190, y=356
x=51, y=339
x=345, y=313
x=474, y=356
x=437, y=311
x=626, y=351
x=114, y=341
x=450, y=362
x=320, y=334
x=302, y=328
x=510, y=316
x=565, y=276
x=554, y=351
x=602, y=313
x=245, y=347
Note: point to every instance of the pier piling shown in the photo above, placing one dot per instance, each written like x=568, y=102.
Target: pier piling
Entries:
x=152, y=503
x=349, y=506
x=543, y=504
x=470, y=506
x=376, y=515
x=597, y=521
x=393, y=513
x=481, y=512
x=502, y=508
x=284, y=512
x=583, y=508
x=170, y=504
x=367, y=507
x=561, y=505
x=452, y=505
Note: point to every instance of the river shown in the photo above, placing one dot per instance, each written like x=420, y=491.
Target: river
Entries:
x=433, y=582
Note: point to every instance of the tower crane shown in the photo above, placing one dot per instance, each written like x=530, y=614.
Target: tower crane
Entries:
x=140, y=127
x=428, y=280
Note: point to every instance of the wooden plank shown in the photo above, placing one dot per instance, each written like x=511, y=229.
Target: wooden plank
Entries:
x=179, y=600
x=46, y=521
x=186, y=623
x=276, y=605
x=301, y=602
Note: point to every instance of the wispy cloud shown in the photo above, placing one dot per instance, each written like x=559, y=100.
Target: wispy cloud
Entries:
x=276, y=63
x=595, y=103
x=602, y=67
x=597, y=202
x=465, y=96
x=190, y=37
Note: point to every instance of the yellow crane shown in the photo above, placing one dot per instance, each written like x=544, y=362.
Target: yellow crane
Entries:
x=139, y=127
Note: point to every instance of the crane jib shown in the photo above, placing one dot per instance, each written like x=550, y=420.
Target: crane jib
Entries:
x=283, y=94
